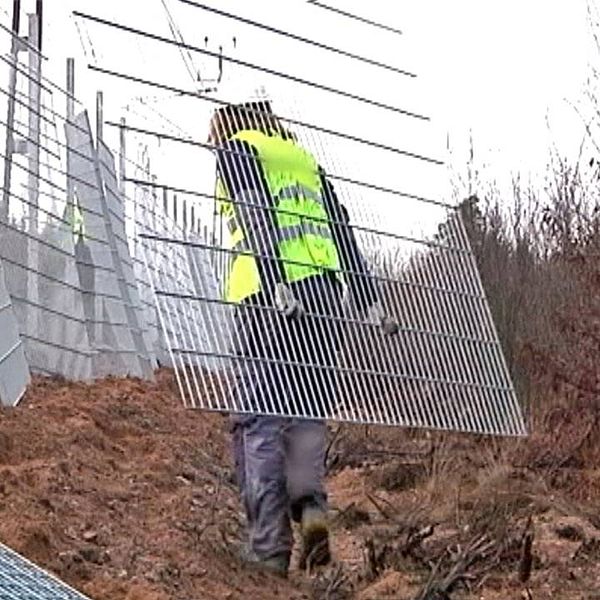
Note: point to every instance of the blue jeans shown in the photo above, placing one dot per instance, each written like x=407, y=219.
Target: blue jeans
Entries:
x=280, y=460
x=279, y=468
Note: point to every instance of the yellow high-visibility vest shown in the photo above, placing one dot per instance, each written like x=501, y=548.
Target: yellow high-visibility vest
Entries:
x=304, y=239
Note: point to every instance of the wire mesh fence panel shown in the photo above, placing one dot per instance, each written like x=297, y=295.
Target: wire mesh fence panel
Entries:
x=20, y=579
x=14, y=370
x=183, y=271
x=114, y=214
x=67, y=275
x=145, y=196
x=394, y=326
x=36, y=241
x=110, y=330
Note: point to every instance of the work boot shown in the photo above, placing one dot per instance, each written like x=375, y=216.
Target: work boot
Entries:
x=315, y=537
x=275, y=565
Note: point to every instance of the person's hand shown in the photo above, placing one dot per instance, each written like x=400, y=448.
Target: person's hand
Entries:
x=389, y=326
x=287, y=303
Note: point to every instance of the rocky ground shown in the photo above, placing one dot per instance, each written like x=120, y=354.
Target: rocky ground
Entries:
x=124, y=494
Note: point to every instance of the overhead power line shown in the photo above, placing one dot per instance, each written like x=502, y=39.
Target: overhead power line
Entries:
x=254, y=66
x=299, y=38
x=350, y=15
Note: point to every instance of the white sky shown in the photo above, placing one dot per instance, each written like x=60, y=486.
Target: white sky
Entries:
x=496, y=69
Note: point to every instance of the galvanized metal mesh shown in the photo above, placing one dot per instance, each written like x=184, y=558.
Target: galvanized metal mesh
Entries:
x=444, y=369
x=73, y=292
x=36, y=246
x=20, y=579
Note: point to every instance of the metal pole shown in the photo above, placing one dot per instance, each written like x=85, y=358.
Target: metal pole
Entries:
x=39, y=11
x=70, y=119
x=16, y=20
x=131, y=225
x=99, y=116
x=70, y=89
x=12, y=85
x=122, y=158
x=33, y=154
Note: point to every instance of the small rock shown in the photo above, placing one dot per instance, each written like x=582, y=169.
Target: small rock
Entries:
x=92, y=555
x=189, y=475
x=69, y=556
x=90, y=536
x=567, y=531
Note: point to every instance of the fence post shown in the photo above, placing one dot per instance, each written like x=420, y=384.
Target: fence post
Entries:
x=70, y=88
x=14, y=370
x=33, y=156
x=122, y=155
x=113, y=209
x=99, y=116
x=10, y=118
x=84, y=259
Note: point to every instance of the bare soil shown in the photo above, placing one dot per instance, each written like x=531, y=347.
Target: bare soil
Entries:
x=124, y=494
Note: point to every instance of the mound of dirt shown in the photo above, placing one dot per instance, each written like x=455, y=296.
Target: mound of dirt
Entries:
x=124, y=494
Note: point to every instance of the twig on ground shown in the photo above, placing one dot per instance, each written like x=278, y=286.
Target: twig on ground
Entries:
x=526, y=561
x=416, y=538
x=379, y=508
x=338, y=579
x=329, y=461
x=440, y=588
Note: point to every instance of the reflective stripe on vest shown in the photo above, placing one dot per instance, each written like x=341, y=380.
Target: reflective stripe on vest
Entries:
x=287, y=193
x=298, y=191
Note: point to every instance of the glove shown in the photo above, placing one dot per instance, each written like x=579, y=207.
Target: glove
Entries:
x=377, y=317
x=286, y=303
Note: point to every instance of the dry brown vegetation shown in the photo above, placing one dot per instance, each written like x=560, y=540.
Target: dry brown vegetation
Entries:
x=126, y=495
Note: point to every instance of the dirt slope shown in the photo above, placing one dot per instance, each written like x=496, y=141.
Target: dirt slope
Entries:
x=124, y=494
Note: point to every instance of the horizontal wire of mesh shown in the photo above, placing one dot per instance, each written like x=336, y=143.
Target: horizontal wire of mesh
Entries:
x=444, y=369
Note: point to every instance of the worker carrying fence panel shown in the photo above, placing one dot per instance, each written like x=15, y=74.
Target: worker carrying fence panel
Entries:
x=291, y=259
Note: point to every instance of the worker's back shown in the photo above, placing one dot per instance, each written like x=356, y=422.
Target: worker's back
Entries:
x=276, y=213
